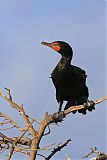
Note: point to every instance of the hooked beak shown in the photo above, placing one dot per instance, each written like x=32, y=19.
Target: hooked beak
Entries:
x=46, y=44
x=52, y=45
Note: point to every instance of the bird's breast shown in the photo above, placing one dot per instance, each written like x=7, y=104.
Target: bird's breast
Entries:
x=59, y=76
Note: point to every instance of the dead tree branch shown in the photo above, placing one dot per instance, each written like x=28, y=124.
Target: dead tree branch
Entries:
x=9, y=120
x=27, y=122
x=16, y=144
x=99, y=155
x=75, y=108
x=57, y=149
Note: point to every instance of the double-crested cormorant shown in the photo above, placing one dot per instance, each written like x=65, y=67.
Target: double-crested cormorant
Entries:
x=69, y=80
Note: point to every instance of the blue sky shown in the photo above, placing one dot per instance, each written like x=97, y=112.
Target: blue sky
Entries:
x=26, y=65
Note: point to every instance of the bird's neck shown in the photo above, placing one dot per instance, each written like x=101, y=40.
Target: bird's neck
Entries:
x=64, y=61
x=62, y=64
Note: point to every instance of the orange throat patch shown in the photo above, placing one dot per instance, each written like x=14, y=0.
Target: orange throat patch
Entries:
x=56, y=48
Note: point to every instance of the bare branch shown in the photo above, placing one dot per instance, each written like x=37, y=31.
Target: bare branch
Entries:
x=8, y=128
x=9, y=93
x=49, y=131
x=100, y=100
x=27, y=122
x=41, y=156
x=99, y=155
x=75, y=108
x=35, y=120
x=92, y=151
x=23, y=141
x=36, y=136
x=57, y=149
x=14, y=144
x=9, y=120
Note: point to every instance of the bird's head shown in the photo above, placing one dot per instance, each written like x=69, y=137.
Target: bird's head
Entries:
x=61, y=47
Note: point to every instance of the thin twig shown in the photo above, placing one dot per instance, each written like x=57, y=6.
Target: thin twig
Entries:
x=8, y=128
x=27, y=122
x=57, y=149
x=49, y=131
x=11, y=121
x=99, y=155
x=37, y=135
x=91, y=152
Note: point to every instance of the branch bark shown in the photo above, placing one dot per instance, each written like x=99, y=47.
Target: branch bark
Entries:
x=33, y=143
x=99, y=155
x=57, y=149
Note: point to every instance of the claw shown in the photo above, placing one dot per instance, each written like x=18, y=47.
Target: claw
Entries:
x=89, y=105
x=58, y=116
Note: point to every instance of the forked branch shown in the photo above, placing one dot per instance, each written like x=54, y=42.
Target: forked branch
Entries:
x=33, y=143
x=99, y=155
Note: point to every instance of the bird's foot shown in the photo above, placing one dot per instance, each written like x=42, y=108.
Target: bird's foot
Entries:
x=58, y=116
x=89, y=105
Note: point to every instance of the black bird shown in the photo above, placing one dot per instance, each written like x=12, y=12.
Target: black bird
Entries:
x=69, y=80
